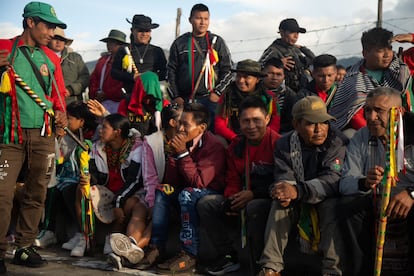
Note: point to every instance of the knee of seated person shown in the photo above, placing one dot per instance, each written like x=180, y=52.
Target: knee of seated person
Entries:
x=160, y=196
x=209, y=203
x=258, y=207
x=186, y=196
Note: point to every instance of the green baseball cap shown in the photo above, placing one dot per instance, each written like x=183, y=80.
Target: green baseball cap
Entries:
x=312, y=109
x=44, y=11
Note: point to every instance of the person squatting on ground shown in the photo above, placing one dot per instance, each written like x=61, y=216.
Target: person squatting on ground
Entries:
x=364, y=168
x=61, y=198
x=308, y=163
x=246, y=198
x=195, y=168
x=155, y=151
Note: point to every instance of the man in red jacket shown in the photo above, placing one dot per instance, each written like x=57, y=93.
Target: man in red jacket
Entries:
x=249, y=174
x=26, y=125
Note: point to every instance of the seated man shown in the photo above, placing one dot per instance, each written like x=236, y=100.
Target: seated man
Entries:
x=285, y=97
x=324, y=79
x=254, y=149
x=363, y=172
x=308, y=165
x=195, y=169
x=379, y=67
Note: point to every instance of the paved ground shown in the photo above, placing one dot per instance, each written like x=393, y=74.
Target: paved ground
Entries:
x=61, y=264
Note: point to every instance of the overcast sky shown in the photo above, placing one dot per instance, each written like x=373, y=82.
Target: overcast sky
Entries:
x=248, y=27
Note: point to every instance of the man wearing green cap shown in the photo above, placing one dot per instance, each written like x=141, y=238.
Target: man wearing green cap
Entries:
x=29, y=104
x=307, y=170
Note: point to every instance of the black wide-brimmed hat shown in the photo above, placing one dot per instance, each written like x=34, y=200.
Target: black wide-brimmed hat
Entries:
x=142, y=22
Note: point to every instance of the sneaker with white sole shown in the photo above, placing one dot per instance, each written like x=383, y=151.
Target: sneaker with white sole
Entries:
x=123, y=246
x=70, y=244
x=107, y=247
x=79, y=249
x=45, y=238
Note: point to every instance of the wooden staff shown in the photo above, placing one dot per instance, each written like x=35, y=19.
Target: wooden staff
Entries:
x=389, y=179
x=205, y=64
x=134, y=67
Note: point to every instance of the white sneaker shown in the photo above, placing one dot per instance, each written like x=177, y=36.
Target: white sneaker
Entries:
x=70, y=244
x=124, y=247
x=115, y=261
x=79, y=249
x=45, y=238
x=107, y=247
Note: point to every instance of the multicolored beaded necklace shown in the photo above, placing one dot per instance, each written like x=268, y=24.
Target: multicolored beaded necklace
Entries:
x=118, y=156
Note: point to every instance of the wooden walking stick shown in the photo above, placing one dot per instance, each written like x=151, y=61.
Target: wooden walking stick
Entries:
x=206, y=64
x=388, y=181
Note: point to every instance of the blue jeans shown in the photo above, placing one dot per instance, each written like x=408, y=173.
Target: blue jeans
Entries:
x=161, y=216
x=189, y=234
x=190, y=231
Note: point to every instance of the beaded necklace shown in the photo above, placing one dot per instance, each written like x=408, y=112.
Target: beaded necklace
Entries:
x=118, y=156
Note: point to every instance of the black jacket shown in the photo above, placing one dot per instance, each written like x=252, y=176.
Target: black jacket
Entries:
x=154, y=60
x=303, y=57
x=178, y=71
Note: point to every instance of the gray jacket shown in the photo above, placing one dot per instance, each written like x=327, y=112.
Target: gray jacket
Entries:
x=321, y=164
x=75, y=73
x=362, y=155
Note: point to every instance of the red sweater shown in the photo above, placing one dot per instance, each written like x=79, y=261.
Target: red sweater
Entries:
x=111, y=87
x=260, y=155
x=204, y=167
x=7, y=44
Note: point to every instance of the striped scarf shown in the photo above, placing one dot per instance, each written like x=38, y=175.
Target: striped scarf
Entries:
x=351, y=94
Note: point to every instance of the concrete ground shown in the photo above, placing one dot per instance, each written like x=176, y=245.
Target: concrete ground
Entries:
x=61, y=264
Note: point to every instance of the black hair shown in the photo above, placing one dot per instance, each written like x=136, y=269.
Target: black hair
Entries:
x=171, y=111
x=376, y=37
x=324, y=60
x=80, y=110
x=253, y=102
x=36, y=20
x=198, y=8
x=117, y=121
x=340, y=67
x=201, y=115
x=276, y=62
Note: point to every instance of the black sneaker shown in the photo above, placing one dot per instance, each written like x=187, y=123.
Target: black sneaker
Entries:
x=28, y=256
x=3, y=269
x=183, y=262
x=224, y=265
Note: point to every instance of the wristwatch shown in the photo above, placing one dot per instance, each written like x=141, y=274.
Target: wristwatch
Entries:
x=410, y=191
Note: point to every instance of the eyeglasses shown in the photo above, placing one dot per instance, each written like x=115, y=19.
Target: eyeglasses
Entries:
x=143, y=30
